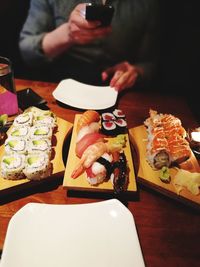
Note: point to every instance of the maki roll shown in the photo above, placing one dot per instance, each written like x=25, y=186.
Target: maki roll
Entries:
x=107, y=116
x=24, y=119
x=41, y=132
x=12, y=166
x=118, y=113
x=19, y=132
x=121, y=125
x=37, y=166
x=109, y=127
x=15, y=145
x=39, y=145
x=44, y=120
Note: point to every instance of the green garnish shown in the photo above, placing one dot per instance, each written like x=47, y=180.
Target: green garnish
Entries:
x=165, y=175
x=3, y=119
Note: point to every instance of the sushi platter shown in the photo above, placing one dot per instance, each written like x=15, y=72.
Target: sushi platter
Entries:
x=150, y=177
x=52, y=156
x=81, y=182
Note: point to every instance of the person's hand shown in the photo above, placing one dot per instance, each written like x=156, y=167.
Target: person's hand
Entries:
x=82, y=31
x=123, y=75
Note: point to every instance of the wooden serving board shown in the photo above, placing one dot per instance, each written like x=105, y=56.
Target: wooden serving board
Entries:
x=148, y=176
x=63, y=130
x=81, y=183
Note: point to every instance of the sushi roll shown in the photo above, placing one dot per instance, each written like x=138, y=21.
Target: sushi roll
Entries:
x=121, y=125
x=107, y=116
x=19, y=132
x=37, y=166
x=109, y=128
x=39, y=145
x=118, y=113
x=44, y=120
x=24, y=119
x=15, y=145
x=12, y=166
x=41, y=132
x=99, y=170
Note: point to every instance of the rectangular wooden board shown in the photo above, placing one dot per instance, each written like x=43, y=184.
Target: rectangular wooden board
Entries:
x=81, y=182
x=63, y=130
x=147, y=176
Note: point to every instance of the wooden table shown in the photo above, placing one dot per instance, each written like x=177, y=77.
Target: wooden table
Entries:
x=169, y=231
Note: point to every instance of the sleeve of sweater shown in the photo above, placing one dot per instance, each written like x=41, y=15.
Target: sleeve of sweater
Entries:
x=38, y=22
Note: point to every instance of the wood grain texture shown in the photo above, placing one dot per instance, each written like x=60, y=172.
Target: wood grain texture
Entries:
x=81, y=183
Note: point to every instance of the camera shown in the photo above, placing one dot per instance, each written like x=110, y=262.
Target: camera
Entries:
x=102, y=13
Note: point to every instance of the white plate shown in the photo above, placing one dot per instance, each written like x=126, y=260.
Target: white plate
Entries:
x=101, y=234
x=84, y=96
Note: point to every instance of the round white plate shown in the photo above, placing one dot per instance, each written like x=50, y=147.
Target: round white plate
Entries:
x=101, y=234
x=84, y=96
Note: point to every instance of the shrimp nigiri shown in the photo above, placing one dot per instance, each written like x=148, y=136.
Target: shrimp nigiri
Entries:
x=91, y=154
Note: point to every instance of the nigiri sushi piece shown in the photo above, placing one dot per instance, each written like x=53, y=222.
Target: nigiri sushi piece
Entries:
x=86, y=118
x=100, y=169
x=93, y=127
x=91, y=154
x=86, y=141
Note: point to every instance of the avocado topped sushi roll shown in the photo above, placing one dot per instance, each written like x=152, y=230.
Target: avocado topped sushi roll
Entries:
x=12, y=166
x=37, y=166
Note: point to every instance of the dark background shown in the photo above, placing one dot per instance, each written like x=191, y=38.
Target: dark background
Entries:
x=180, y=42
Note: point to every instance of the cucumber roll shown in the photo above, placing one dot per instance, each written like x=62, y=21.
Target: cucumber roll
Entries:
x=39, y=145
x=24, y=119
x=15, y=145
x=12, y=166
x=37, y=166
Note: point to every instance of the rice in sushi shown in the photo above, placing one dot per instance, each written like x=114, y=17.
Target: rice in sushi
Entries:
x=15, y=145
x=37, y=166
x=39, y=145
x=19, y=132
x=12, y=166
x=24, y=119
x=40, y=132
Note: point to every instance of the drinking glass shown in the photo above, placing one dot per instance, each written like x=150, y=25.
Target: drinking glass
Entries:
x=8, y=95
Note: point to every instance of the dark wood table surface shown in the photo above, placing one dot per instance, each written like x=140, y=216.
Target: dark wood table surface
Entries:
x=169, y=231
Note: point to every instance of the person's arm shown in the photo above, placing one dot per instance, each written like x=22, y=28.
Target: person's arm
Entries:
x=127, y=74
x=41, y=41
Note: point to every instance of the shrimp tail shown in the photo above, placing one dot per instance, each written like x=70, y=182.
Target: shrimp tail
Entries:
x=79, y=169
